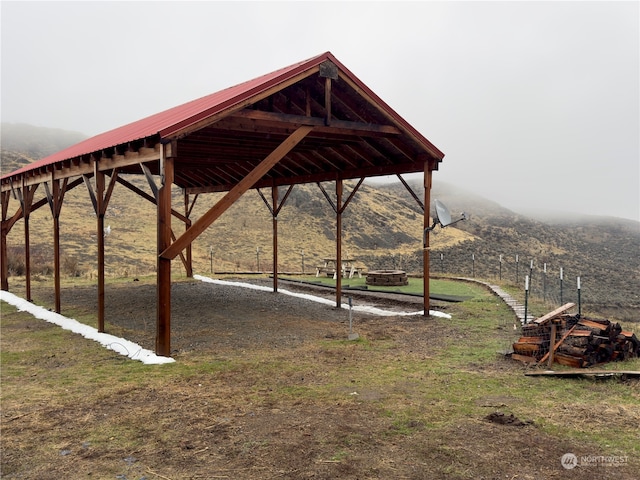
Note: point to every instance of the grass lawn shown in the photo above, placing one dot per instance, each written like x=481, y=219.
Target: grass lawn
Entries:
x=415, y=287
x=409, y=399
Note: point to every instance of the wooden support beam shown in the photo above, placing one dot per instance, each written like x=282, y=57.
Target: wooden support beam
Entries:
x=339, y=244
x=236, y=192
x=78, y=167
x=55, y=197
x=326, y=195
x=268, y=121
x=4, y=257
x=27, y=193
x=410, y=190
x=351, y=195
x=92, y=194
x=148, y=197
x=163, y=325
x=339, y=207
x=188, y=261
x=150, y=180
x=27, y=257
x=100, y=200
x=274, y=209
x=426, y=224
x=100, y=210
x=26, y=203
x=4, y=231
x=274, y=221
x=56, y=205
x=183, y=257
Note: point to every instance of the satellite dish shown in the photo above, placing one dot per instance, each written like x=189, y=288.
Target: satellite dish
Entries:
x=442, y=214
x=443, y=217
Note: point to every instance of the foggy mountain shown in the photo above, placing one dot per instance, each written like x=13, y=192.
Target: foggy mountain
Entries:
x=32, y=143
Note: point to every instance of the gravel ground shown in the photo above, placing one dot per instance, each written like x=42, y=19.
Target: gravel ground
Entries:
x=217, y=317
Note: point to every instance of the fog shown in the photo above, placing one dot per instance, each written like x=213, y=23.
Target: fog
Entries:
x=535, y=104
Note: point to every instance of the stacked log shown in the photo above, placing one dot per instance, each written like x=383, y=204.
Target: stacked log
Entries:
x=594, y=342
x=577, y=341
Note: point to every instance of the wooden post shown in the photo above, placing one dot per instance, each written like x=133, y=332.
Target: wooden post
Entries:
x=425, y=251
x=4, y=253
x=339, y=243
x=4, y=257
x=100, y=200
x=26, y=200
x=552, y=342
x=100, y=212
x=274, y=216
x=56, y=242
x=163, y=327
x=27, y=259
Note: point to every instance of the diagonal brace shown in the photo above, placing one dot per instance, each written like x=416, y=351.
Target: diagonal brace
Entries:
x=236, y=192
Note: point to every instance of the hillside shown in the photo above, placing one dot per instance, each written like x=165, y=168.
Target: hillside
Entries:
x=382, y=228
x=603, y=251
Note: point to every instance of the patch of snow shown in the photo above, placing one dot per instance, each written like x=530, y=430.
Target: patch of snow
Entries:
x=305, y=296
x=117, y=344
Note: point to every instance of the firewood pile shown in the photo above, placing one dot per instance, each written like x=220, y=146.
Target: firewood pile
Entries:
x=578, y=341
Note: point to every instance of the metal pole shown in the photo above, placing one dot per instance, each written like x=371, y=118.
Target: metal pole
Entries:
x=211, y=258
x=516, y=269
x=442, y=263
x=500, y=268
x=544, y=284
x=531, y=275
x=579, y=302
x=473, y=265
x=526, y=297
x=561, y=302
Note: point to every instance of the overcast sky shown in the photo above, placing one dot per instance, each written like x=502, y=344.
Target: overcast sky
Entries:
x=535, y=104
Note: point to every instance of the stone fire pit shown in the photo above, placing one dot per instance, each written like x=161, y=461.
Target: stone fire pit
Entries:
x=387, y=278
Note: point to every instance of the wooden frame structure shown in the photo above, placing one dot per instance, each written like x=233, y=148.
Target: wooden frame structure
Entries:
x=311, y=122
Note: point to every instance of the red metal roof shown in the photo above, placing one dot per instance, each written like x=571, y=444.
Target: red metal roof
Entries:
x=169, y=123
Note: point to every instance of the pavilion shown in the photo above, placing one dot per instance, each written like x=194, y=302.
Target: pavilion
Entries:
x=310, y=122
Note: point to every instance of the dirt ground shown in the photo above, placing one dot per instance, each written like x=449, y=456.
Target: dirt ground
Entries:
x=228, y=424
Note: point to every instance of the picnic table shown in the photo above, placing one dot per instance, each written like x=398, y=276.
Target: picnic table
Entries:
x=348, y=268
